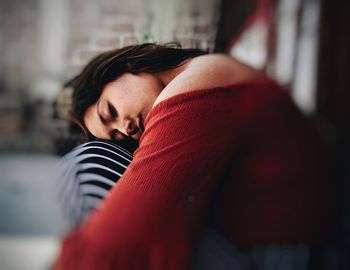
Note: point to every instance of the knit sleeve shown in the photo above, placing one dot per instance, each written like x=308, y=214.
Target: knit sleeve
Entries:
x=153, y=215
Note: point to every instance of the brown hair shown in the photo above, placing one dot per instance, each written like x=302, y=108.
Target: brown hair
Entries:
x=108, y=66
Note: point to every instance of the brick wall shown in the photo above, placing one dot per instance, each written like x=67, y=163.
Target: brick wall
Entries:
x=107, y=24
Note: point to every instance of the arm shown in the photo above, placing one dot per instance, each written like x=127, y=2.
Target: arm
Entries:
x=152, y=217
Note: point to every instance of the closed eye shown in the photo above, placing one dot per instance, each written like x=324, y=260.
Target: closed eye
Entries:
x=112, y=110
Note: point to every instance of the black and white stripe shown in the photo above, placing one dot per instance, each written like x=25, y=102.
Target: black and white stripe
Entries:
x=86, y=175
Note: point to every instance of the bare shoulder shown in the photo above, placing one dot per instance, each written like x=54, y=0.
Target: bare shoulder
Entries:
x=205, y=72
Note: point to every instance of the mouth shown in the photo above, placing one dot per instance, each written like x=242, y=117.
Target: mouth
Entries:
x=140, y=124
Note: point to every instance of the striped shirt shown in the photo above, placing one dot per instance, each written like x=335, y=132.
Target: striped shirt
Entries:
x=86, y=175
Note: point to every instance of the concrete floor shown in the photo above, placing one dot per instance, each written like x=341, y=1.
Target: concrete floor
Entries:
x=30, y=217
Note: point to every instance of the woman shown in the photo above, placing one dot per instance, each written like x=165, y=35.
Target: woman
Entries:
x=220, y=144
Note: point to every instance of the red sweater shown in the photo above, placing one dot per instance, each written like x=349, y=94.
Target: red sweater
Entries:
x=249, y=141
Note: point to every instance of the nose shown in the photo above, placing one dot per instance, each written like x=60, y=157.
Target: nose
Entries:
x=130, y=127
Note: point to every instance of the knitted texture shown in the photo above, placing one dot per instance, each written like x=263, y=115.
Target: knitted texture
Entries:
x=241, y=157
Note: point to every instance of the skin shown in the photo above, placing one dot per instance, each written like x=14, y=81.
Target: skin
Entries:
x=123, y=107
x=125, y=103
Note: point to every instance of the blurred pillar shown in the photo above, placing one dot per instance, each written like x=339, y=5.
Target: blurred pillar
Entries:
x=233, y=15
x=53, y=38
x=306, y=56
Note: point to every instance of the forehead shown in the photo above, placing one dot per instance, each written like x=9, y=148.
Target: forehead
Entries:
x=94, y=124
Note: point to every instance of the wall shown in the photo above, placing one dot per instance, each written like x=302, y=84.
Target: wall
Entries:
x=46, y=42
x=96, y=27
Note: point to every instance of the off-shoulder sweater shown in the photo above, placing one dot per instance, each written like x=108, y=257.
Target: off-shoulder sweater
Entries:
x=240, y=157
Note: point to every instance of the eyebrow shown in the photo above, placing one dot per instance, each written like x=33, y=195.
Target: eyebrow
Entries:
x=113, y=132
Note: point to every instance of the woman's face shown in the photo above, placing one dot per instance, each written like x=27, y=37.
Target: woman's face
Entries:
x=123, y=106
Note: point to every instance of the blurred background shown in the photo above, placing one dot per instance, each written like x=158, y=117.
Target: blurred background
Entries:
x=303, y=44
